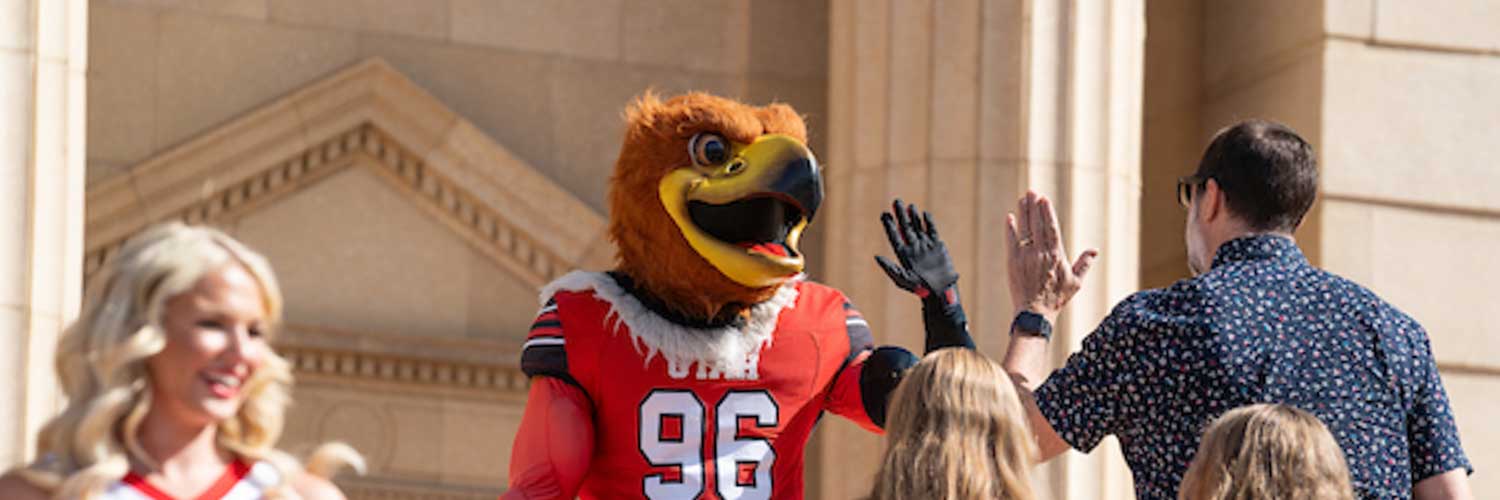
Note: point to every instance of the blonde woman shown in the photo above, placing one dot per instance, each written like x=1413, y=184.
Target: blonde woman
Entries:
x=1267, y=452
x=173, y=390
x=956, y=430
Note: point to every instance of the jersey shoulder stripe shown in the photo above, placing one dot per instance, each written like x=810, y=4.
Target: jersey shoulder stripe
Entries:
x=545, y=352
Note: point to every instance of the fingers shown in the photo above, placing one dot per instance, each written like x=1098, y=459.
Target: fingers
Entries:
x=903, y=221
x=1048, y=232
x=914, y=219
x=891, y=233
x=1033, y=228
x=931, y=227
x=1084, y=263
x=1023, y=215
x=895, y=272
x=1012, y=236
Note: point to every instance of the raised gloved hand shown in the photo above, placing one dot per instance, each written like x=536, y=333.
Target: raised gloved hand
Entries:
x=925, y=267
x=926, y=270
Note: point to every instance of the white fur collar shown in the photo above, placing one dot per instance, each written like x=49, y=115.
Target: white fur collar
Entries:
x=731, y=352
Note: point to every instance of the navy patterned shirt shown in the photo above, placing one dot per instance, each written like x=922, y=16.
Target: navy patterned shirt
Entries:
x=1262, y=326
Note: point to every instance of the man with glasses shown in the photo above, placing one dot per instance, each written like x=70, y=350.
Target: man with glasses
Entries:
x=1256, y=324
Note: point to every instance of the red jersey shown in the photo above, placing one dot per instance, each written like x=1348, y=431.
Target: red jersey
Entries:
x=690, y=413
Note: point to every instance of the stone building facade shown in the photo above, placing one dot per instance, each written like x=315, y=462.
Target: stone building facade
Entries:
x=415, y=170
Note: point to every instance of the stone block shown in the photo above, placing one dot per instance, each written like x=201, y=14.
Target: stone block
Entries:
x=477, y=440
x=789, y=38
x=1411, y=126
x=582, y=28
x=1454, y=24
x=406, y=275
x=425, y=19
x=500, y=307
x=416, y=439
x=869, y=98
x=954, y=128
x=1244, y=41
x=214, y=69
x=1001, y=93
x=1174, y=57
x=481, y=85
x=121, y=85
x=251, y=9
x=1292, y=96
x=1352, y=18
x=909, y=105
x=1475, y=406
x=15, y=24
x=703, y=35
x=14, y=440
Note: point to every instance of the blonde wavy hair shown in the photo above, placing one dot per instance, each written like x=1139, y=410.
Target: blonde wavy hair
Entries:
x=101, y=364
x=1267, y=451
x=956, y=430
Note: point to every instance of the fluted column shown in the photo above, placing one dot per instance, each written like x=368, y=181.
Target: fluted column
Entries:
x=43, y=54
x=961, y=105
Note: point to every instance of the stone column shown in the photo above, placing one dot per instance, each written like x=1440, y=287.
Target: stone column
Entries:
x=43, y=54
x=960, y=105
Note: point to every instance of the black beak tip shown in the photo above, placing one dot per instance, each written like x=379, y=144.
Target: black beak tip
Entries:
x=801, y=181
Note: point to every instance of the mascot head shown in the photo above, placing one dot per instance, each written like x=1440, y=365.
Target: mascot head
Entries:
x=708, y=200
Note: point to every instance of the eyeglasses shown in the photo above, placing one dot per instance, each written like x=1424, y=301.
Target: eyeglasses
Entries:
x=1187, y=187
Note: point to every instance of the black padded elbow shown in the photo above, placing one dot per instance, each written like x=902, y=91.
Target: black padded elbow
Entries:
x=881, y=374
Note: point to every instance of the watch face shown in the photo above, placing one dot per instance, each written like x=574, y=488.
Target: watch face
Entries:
x=1034, y=324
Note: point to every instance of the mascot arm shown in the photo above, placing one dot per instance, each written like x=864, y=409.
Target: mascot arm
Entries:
x=553, y=446
x=862, y=389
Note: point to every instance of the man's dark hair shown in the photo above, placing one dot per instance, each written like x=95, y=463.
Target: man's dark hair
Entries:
x=1268, y=174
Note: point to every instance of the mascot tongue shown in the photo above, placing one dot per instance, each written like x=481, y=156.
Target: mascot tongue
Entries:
x=769, y=248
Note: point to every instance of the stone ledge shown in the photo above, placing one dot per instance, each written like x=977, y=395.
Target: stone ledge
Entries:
x=412, y=371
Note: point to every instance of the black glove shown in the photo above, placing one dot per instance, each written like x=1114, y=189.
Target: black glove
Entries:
x=927, y=271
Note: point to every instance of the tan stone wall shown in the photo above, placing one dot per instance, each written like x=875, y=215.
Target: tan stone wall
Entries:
x=545, y=79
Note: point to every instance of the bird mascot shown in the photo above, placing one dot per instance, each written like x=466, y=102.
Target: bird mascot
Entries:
x=698, y=367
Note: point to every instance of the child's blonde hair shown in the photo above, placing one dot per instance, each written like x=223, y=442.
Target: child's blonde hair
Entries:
x=1267, y=451
x=957, y=430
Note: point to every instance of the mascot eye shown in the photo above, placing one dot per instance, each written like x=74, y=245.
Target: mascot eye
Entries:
x=708, y=149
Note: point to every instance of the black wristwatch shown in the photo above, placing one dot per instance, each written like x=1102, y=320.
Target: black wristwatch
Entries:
x=1030, y=323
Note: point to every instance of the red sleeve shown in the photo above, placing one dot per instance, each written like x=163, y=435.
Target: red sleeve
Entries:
x=553, y=446
x=846, y=398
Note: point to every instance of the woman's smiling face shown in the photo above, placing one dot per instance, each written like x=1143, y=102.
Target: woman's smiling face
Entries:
x=215, y=334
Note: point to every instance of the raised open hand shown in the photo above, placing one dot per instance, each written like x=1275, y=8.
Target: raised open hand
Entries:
x=1042, y=280
x=925, y=267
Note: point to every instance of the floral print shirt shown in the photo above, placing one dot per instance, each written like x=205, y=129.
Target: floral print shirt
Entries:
x=1262, y=326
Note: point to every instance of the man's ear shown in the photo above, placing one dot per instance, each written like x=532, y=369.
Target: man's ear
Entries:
x=1211, y=202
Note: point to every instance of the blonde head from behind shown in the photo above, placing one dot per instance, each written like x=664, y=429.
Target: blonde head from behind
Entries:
x=956, y=430
x=1267, y=452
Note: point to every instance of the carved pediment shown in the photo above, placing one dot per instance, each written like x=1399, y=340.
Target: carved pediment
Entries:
x=366, y=116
